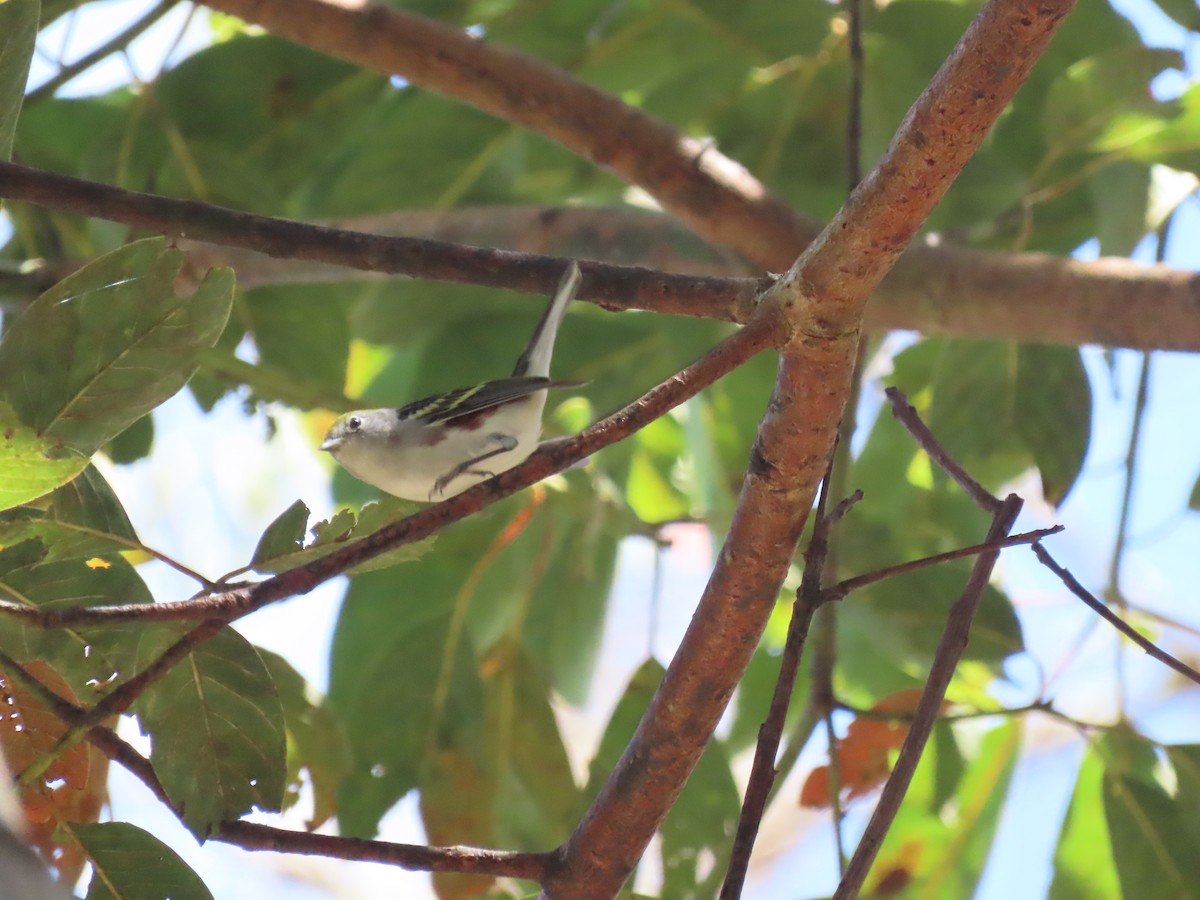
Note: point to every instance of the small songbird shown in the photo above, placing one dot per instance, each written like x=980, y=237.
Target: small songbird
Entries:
x=439, y=446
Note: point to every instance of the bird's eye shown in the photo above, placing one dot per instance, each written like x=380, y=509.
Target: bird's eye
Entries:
x=354, y=423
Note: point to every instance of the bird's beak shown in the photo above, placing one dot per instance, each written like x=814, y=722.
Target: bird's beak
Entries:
x=331, y=444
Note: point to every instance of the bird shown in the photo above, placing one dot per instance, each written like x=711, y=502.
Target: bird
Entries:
x=437, y=447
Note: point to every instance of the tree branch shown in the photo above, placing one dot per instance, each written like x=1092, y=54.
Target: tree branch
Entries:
x=822, y=298
x=940, y=290
x=613, y=287
x=255, y=836
x=551, y=457
x=842, y=588
x=1113, y=619
x=715, y=196
x=937, y=290
x=949, y=651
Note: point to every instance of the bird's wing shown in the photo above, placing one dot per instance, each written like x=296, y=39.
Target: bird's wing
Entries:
x=467, y=401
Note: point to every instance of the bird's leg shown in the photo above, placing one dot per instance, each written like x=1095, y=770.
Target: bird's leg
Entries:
x=507, y=443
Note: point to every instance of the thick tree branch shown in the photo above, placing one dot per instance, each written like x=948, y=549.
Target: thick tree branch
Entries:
x=823, y=297
x=711, y=193
x=936, y=290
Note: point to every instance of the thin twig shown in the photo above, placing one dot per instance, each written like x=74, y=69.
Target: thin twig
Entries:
x=1037, y=706
x=835, y=790
x=1131, y=451
x=854, y=112
x=551, y=457
x=85, y=62
x=842, y=588
x=255, y=836
x=1098, y=607
x=907, y=416
x=949, y=651
x=762, y=773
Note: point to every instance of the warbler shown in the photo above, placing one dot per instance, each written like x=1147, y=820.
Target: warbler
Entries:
x=439, y=446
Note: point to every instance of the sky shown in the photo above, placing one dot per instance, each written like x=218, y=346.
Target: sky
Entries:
x=239, y=478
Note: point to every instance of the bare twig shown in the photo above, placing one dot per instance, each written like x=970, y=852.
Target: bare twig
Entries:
x=1112, y=618
x=1116, y=560
x=854, y=111
x=822, y=299
x=949, y=651
x=255, y=836
x=1135, y=434
x=551, y=457
x=809, y=599
x=762, y=773
x=85, y=62
x=501, y=863
x=907, y=416
x=842, y=588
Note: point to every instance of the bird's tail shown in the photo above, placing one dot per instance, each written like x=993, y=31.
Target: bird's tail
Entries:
x=536, y=358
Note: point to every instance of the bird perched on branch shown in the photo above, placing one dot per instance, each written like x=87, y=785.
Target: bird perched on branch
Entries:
x=437, y=447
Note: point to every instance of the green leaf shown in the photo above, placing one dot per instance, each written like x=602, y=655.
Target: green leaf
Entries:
x=282, y=545
x=302, y=331
x=998, y=407
x=1054, y=414
x=623, y=722
x=89, y=505
x=888, y=633
x=753, y=696
x=1085, y=98
x=1185, y=12
x=537, y=800
x=221, y=370
x=72, y=568
x=19, y=25
x=109, y=343
x=285, y=535
x=698, y=831
x=316, y=740
x=940, y=844
x=391, y=651
x=1152, y=842
x=458, y=802
x=31, y=466
x=978, y=804
x=1120, y=194
x=563, y=638
x=217, y=733
x=131, y=864
x=133, y=443
x=1083, y=859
